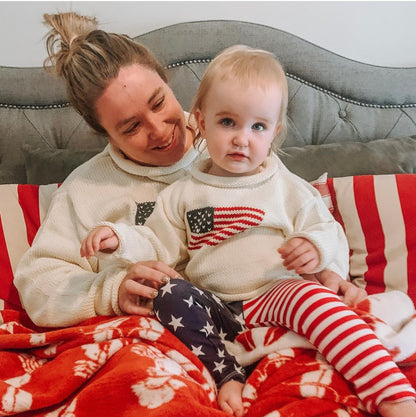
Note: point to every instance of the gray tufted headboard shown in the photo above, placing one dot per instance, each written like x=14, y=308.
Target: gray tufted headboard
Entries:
x=331, y=99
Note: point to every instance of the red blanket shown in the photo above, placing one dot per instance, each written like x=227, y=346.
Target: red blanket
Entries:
x=132, y=366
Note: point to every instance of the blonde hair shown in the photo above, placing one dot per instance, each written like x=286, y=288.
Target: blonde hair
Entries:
x=88, y=58
x=245, y=65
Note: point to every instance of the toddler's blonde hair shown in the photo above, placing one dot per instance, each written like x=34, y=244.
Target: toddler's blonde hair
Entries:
x=247, y=66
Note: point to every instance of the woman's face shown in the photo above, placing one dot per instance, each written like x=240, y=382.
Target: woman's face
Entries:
x=143, y=118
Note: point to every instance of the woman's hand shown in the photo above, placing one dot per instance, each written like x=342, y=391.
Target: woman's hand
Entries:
x=141, y=285
x=349, y=293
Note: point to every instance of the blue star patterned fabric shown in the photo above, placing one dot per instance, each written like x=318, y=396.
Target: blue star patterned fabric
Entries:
x=202, y=322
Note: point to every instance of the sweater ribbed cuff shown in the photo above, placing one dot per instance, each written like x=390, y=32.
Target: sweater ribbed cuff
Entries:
x=114, y=294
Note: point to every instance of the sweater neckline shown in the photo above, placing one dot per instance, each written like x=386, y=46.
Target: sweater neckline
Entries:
x=134, y=168
x=269, y=167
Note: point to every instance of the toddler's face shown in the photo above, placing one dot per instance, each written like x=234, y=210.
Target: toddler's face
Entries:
x=239, y=124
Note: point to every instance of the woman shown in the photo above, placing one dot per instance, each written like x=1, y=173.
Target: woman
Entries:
x=120, y=89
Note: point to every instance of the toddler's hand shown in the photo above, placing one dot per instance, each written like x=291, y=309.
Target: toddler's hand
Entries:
x=101, y=238
x=300, y=255
x=230, y=398
x=349, y=293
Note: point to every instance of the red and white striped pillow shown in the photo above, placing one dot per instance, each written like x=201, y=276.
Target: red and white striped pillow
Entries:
x=378, y=213
x=22, y=208
x=321, y=184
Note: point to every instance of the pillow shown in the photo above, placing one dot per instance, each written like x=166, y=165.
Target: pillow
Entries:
x=22, y=209
x=47, y=166
x=383, y=156
x=321, y=184
x=378, y=213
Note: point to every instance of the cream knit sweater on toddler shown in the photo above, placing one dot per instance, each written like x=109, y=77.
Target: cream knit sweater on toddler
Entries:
x=228, y=229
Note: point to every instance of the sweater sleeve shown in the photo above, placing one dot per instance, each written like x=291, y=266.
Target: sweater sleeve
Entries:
x=315, y=223
x=163, y=237
x=57, y=286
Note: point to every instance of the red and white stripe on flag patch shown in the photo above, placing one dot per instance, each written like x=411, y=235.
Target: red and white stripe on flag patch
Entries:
x=22, y=209
x=378, y=213
x=211, y=225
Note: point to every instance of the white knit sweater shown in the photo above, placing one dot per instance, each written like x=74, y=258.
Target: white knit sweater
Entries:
x=230, y=229
x=57, y=286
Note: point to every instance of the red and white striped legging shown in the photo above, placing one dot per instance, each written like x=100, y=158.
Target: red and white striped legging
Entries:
x=345, y=340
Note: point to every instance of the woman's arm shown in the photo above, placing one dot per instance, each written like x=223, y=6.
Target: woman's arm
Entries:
x=59, y=288
x=162, y=238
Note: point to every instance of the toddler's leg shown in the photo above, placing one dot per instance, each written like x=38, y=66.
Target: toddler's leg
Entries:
x=200, y=320
x=338, y=333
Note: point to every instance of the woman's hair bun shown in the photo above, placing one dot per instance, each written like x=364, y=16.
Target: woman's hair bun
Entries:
x=66, y=31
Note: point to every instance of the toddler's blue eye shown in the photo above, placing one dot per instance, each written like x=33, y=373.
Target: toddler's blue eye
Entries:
x=227, y=122
x=258, y=126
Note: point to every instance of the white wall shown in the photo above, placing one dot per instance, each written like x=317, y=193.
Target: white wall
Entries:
x=375, y=32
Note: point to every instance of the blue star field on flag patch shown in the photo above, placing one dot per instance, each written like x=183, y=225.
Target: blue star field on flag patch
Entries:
x=144, y=210
x=201, y=220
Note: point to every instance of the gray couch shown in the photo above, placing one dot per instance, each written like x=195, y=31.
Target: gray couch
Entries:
x=345, y=117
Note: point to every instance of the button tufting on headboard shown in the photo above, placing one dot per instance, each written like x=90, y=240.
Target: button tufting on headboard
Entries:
x=342, y=114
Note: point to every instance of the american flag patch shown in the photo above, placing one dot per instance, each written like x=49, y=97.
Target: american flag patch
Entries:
x=211, y=225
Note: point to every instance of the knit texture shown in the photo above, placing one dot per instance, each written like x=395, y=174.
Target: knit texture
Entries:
x=57, y=286
x=230, y=229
